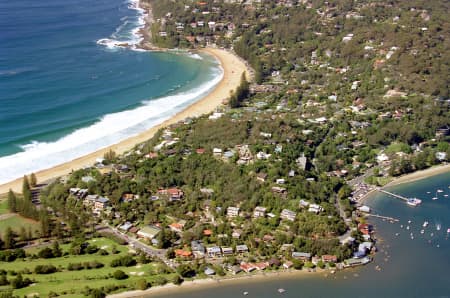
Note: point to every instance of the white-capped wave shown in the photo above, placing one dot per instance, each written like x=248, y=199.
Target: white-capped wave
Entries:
x=196, y=56
x=110, y=129
x=128, y=33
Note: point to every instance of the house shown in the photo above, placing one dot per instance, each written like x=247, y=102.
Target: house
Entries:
x=177, y=227
x=234, y=269
x=89, y=200
x=126, y=226
x=441, y=156
x=236, y=234
x=259, y=212
x=329, y=259
x=217, y=152
x=174, y=194
x=200, y=150
x=261, y=265
x=262, y=155
x=279, y=190
x=133, y=230
x=128, y=197
x=197, y=247
x=274, y=262
x=248, y=267
x=315, y=208
x=288, y=264
x=101, y=203
x=232, y=211
x=213, y=251
x=241, y=248
x=382, y=158
x=227, y=251
x=301, y=162
x=303, y=203
x=365, y=229
x=364, y=208
x=209, y=271
x=280, y=181
x=183, y=253
x=207, y=232
x=304, y=256
x=261, y=177
x=149, y=232
x=288, y=215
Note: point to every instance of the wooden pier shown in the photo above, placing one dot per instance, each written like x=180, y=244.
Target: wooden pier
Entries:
x=393, y=194
x=383, y=217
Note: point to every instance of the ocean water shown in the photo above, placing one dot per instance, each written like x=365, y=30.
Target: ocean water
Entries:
x=415, y=266
x=66, y=89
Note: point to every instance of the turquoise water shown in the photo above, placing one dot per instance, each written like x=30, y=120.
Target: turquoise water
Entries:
x=64, y=94
x=416, y=267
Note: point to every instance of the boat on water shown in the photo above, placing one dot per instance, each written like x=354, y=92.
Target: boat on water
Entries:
x=425, y=224
x=281, y=290
x=440, y=190
x=413, y=202
x=434, y=198
x=245, y=293
x=407, y=227
x=438, y=227
x=448, y=230
x=422, y=231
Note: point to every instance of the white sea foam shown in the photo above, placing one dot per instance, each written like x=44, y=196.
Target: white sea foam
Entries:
x=109, y=130
x=196, y=56
x=124, y=36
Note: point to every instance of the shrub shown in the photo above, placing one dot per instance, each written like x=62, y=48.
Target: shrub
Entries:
x=44, y=269
x=141, y=284
x=119, y=274
x=46, y=253
x=125, y=261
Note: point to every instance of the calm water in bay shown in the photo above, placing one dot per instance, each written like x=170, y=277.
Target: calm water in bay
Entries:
x=416, y=267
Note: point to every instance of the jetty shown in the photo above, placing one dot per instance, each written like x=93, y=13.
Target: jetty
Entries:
x=383, y=217
x=410, y=201
x=393, y=194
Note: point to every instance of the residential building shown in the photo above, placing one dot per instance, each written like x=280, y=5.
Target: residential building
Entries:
x=259, y=212
x=288, y=215
x=149, y=232
x=213, y=251
x=304, y=256
x=232, y=211
x=241, y=248
x=101, y=203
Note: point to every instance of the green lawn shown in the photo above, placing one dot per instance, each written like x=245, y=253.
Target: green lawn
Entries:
x=3, y=207
x=73, y=282
x=16, y=222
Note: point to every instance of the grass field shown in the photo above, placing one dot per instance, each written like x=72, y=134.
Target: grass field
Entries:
x=71, y=283
x=16, y=222
x=3, y=207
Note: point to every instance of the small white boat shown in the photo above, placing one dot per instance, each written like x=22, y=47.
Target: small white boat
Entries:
x=401, y=226
x=438, y=227
x=432, y=234
x=440, y=190
x=448, y=230
x=409, y=221
x=428, y=191
x=407, y=227
x=434, y=198
x=281, y=290
x=445, y=195
x=245, y=293
x=425, y=224
x=422, y=231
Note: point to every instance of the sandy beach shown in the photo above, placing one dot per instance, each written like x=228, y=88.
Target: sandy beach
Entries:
x=440, y=169
x=232, y=66
x=213, y=282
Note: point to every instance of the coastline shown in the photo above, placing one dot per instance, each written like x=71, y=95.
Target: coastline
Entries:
x=411, y=177
x=232, y=66
x=212, y=282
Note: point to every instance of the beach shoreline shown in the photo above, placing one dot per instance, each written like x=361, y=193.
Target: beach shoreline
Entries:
x=232, y=67
x=197, y=284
